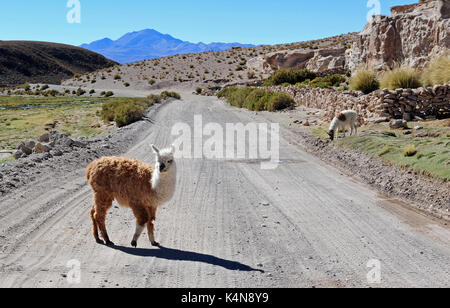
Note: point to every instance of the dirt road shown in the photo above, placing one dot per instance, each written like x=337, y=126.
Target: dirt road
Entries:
x=230, y=224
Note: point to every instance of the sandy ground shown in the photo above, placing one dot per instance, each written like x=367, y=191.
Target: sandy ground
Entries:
x=230, y=224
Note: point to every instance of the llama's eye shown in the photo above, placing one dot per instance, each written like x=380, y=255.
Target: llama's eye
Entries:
x=170, y=161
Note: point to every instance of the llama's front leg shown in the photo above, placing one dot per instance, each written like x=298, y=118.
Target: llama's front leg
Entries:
x=137, y=234
x=141, y=219
x=151, y=227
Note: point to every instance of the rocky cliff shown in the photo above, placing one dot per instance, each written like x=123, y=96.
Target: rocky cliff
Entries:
x=329, y=60
x=413, y=34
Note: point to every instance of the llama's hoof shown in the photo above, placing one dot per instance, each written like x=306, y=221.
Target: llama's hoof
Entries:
x=109, y=243
x=100, y=242
x=156, y=244
x=134, y=244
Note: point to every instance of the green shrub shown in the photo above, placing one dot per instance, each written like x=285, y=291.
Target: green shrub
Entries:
x=410, y=150
x=130, y=111
x=437, y=72
x=335, y=79
x=280, y=101
x=126, y=114
x=289, y=76
x=401, y=78
x=365, y=81
x=154, y=99
x=80, y=92
x=256, y=99
x=164, y=95
x=123, y=113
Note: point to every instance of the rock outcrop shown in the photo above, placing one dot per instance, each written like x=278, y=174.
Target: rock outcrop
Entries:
x=329, y=60
x=412, y=35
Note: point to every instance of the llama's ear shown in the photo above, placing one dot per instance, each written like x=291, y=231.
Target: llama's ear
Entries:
x=155, y=150
x=173, y=148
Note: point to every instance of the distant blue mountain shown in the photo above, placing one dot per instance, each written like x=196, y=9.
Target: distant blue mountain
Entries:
x=150, y=44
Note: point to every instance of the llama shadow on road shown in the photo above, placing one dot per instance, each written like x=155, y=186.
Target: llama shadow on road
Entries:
x=181, y=255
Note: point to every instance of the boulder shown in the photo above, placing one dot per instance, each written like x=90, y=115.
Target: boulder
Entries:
x=25, y=150
x=397, y=124
x=30, y=144
x=20, y=145
x=377, y=120
x=60, y=139
x=44, y=138
x=41, y=148
x=18, y=154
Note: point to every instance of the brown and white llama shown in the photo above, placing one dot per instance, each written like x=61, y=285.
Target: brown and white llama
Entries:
x=343, y=120
x=133, y=184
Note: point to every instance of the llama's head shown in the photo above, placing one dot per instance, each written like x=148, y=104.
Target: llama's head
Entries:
x=331, y=134
x=164, y=158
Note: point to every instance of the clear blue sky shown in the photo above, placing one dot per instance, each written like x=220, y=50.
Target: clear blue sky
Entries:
x=244, y=21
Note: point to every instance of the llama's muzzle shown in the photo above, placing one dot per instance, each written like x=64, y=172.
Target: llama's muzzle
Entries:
x=162, y=166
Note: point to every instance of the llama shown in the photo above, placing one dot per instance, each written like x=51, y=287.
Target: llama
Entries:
x=133, y=184
x=344, y=119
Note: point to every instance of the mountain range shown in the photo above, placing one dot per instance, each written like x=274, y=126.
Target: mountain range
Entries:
x=150, y=44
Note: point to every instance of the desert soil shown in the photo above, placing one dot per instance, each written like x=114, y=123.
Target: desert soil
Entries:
x=230, y=224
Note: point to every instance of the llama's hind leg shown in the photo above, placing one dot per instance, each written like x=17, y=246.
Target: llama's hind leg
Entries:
x=102, y=204
x=151, y=227
x=141, y=220
x=95, y=227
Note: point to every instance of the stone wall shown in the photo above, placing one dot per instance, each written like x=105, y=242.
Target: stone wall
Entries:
x=407, y=104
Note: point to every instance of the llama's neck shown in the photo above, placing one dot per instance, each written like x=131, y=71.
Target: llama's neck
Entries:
x=334, y=124
x=164, y=183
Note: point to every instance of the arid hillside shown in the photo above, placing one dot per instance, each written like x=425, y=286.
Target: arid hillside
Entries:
x=41, y=62
x=203, y=70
